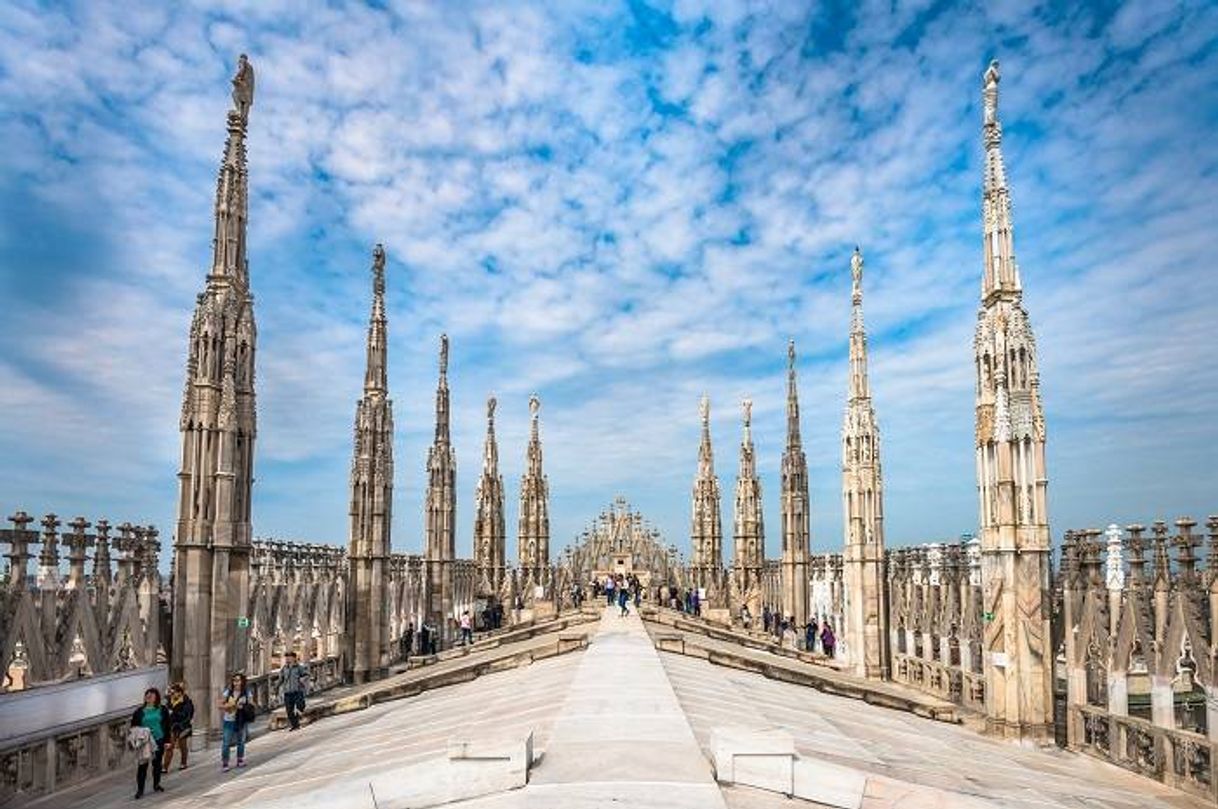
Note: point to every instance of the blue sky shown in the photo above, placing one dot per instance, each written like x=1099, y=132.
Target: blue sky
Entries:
x=620, y=206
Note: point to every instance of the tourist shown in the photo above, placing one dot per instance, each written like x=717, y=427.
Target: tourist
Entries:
x=689, y=602
x=810, y=632
x=623, y=597
x=424, y=638
x=404, y=645
x=609, y=591
x=181, y=718
x=827, y=640
x=766, y=618
x=154, y=717
x=746, y=617
x=638, y=593
x=467, y=629
x=237, y=709
x=697, y=600
x=293, y=678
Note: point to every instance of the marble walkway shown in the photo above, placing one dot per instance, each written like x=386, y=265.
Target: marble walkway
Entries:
x=622, y=724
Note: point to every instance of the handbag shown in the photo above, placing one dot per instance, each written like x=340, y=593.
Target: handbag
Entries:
x=247, y=712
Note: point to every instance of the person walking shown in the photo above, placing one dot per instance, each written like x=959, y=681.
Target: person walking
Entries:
x=152, y=716
x=623, y=598
x=828, y=641
x=237, y=709
x=181, y=718
x=766, y=618
x=609, y=592
x=293, y=679
x=467, y=629
x=746, y=617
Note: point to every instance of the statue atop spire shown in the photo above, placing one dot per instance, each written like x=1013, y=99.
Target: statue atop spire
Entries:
x=533, y=537
x=371, y=513
x=243, y=88
x=989, y=84
x=856, y=275
x=747, y=407
x=443, y=355
x=490, y=527
x=866, y=616
x=796, y=508
x=375, y=378
x=706, y=532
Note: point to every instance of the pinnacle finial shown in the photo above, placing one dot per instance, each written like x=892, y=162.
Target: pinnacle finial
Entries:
x=491, y=402
x=534, y=406
x=791, y=354
x=704, y=409
x=443, y=355
x=243, y=87
x=747, y=407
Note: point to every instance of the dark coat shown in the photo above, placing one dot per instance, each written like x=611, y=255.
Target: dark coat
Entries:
x=181, y=717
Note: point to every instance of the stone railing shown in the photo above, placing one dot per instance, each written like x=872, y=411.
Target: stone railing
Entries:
x=55, y=736
x=935, y=623
x=98, y=610
x=1136, y=659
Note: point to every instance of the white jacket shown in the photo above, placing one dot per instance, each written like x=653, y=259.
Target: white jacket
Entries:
x=139, y=739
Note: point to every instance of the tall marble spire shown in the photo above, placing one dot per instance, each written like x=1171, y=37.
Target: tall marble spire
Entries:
x=212, y=540
x=533, y=537
x=441, y=508
x=748, y=534
x=795, y=508
x=371, y=508
x=866, y=611
x=490, y=527
x=1011, y=476
x=706, y=532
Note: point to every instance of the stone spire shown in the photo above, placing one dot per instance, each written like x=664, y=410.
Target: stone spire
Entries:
x=212, y=539
x=1011, y=477
x=1001, y=276
x=490, y=527
x=706, y=533
x=533, y=537
x=371, y=508
x=441, y=508
x=748, y=534
x=866, y=610
x=795, y=508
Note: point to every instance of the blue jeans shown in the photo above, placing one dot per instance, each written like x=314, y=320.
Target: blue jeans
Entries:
x=233, y=732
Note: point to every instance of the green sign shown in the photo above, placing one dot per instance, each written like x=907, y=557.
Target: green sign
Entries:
x=243, y=622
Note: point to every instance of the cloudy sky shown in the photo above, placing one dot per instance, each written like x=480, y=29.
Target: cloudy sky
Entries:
x=619, y=206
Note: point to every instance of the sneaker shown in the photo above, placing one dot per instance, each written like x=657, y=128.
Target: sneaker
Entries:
x=158, y=788
x=240, y=762
x=224, y=768
x=181, y=767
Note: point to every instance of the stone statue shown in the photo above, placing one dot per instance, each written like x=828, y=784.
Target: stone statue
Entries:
x=704, y=408
x=490, y=408
x=747, y=406
x=378, y=269
x=243, y=87
x=534, y=405
x=856, y=273
x=443, y=354
x=791, y=353
x=990, y=83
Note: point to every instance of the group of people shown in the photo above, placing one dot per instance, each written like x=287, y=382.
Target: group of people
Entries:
x=162, y=725
x=621, y=589
x=785, y=629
